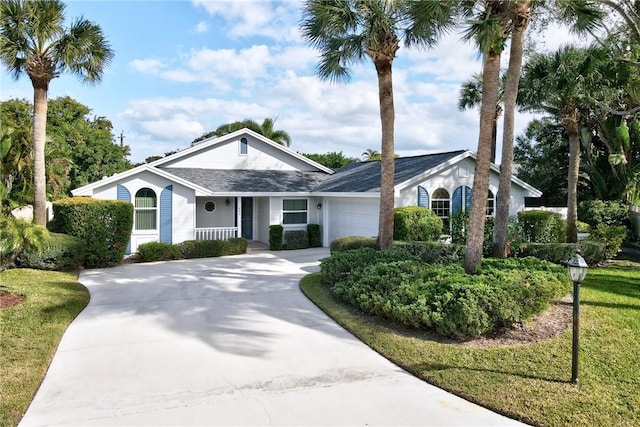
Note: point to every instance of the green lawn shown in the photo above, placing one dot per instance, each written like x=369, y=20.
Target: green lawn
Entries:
x=30, y=332
x=528, y=382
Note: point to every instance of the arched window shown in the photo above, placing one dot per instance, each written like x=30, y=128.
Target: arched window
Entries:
x=146, y=206
x=441, y=205
x=491, y=205
x=423, y=197
x=244, y=146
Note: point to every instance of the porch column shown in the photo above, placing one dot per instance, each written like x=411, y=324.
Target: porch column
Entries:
x=239, y=215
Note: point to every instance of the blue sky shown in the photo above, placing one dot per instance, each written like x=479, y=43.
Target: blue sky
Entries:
x=183, y=68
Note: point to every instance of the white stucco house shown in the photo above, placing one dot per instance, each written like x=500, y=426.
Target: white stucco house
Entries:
x=239, y=184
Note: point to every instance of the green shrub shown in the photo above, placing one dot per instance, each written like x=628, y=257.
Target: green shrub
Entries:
x=596, y=212
x=583, y=227
x=275, y=237
x=296, y=239
x=315, y=241
x=158, y=251
x=611, y=235
x=444, y=298
x=541, y=226
x=341, y=263
x=354, y=242
x=415, y=223
x=559, y=253
x=105, y=225
x=433, y=252
x=64, y=252
x=459, y=224
x=212, y=248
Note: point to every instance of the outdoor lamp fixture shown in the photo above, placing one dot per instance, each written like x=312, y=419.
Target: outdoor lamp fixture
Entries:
x=227, y=202
x=319, y=205
x=577, y=272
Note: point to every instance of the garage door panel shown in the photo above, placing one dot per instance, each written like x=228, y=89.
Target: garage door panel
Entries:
x=353, y=217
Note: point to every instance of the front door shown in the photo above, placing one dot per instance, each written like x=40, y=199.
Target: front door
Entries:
x=247, y=218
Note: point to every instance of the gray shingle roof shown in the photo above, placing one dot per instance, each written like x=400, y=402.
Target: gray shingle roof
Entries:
x=365, y=176
x=250, y=181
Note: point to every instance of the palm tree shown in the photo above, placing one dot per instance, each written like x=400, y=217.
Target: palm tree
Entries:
x=371, y=154
x=559, y=84
x=488, y=27
x=348, y=31
x=34, y=40
x=266, y=128
x=471, y=95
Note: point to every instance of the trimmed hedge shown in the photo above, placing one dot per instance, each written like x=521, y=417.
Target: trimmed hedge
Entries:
x=434, y=252
x=158, y=251
x=353, y=242
x=63, y=253
x=559, y=253
x=105, y=225
x=415, y=223
x=315, y=241
x=275, y=237
x=443, y=297
x=541, y=227
x=296, y=239
x=212, y=248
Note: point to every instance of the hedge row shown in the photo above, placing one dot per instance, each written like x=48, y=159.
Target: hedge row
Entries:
x=294, y=239
x=63, y=253
x=156, y=251
x=396, y=285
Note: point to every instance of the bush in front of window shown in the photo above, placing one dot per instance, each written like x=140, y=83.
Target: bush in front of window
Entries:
x=540, y=226
x=63, y=253
x=296, y=239
x=104, y=224
x=275, y=237
x=314, y=235
x=415, y=223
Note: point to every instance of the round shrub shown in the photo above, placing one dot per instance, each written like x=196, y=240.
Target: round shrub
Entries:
x=541, y=227
x=64, y=252
x=595, y=212
x=415, y=223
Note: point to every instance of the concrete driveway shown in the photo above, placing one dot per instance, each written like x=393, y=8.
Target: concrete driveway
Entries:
x=226, y=341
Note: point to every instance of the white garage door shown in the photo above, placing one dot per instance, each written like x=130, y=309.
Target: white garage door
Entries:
x=353, y=217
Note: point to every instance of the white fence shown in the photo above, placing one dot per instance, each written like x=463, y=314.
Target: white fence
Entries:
x=561, y=211
x=216, y=233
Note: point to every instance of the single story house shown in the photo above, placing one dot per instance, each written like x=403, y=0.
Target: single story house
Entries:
x=239, y=184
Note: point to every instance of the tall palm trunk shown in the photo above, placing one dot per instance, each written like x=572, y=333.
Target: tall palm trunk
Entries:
x=475, y=234
x=570, y=123
x=521, y=20
x=387, y=164
x=39, y=137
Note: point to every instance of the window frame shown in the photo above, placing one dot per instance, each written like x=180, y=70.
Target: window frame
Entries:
x=243, y=148
x=140, y=209
x=440, y=209
x=286, y=212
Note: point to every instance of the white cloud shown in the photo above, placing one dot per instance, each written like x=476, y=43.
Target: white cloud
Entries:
x=201, y=27
x=147, y=66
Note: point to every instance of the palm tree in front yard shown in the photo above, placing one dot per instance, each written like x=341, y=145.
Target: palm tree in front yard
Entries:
x=348, y=31
x=34, y=40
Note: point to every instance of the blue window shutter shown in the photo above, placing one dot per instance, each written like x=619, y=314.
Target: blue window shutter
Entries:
x=123, y=194
x=467, y=199
x=456, y=201
x=423, y=197
x=166, y=214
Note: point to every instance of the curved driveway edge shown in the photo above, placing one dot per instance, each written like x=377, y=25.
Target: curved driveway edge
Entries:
x=226, y=341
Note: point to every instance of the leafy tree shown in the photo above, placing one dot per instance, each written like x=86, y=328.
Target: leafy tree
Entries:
x=34, y=40
x=371, y=154
x=348, y=31
x=266, y=129
x=333, y=160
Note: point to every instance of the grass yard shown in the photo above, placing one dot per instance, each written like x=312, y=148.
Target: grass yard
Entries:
x=30, y=332
x=528, y=382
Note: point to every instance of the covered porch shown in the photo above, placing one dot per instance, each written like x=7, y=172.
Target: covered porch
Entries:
x=226, y=217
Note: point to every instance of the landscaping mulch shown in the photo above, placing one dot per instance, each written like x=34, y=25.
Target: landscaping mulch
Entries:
x=9, y=300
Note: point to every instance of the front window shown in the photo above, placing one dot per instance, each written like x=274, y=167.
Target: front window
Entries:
x=441, y=205
x=145, y=209
x=244, y=146
x=294, y=211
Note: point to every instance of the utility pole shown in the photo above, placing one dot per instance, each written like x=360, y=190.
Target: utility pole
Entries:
x=121, y=139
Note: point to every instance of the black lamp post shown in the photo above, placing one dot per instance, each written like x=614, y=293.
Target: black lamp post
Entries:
x=577, y=272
